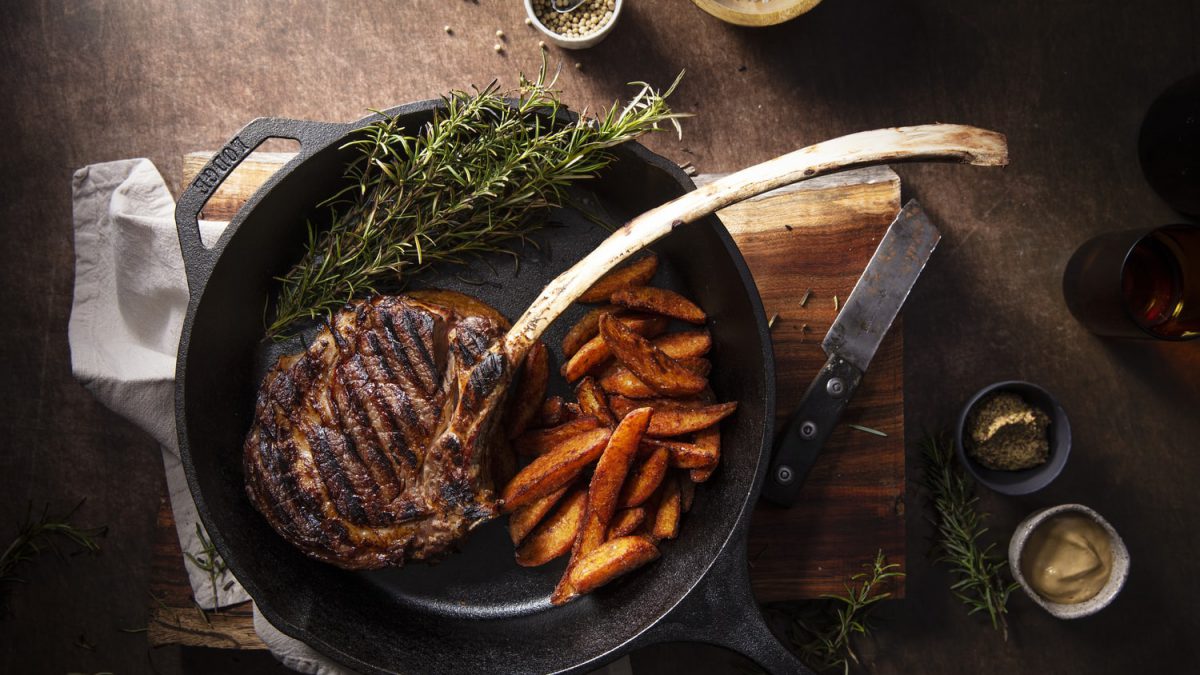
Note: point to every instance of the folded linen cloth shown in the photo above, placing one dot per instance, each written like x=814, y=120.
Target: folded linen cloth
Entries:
x=130, y=299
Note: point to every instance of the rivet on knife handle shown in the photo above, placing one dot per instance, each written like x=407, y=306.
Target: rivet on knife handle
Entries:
x=809, y=428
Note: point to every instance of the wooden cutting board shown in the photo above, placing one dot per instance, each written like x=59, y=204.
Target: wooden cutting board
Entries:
x=811, y=239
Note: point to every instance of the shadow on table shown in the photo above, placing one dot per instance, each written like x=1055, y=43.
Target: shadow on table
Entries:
x=206, y=660
x=872, y=42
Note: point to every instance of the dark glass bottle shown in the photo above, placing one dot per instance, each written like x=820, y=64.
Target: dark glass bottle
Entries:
x=1169, y=146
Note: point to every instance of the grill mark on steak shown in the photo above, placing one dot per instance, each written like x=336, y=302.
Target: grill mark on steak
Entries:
x=390, y=408
x=355, y=425
x=369, y=448
x=417, y=329
x=299, y=505
x=341, y=489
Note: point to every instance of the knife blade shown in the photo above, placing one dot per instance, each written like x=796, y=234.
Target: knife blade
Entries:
x=850, y=344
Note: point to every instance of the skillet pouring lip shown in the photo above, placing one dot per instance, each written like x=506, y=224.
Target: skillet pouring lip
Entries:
x=298, y=611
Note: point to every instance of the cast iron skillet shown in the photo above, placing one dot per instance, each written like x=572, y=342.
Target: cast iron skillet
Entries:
x=477, y=611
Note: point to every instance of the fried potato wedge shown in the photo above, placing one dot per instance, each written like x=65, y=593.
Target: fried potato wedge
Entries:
x=644, y=478
x=522, y=521
x=659, y=301
x=541, y=441
x=609, y=561
x=623, y=404
x=684, y=344
x=571, y=411
x=675, y=418
x=683, y=455
x=596, y=353
x=554, y=469
x=618, y=379
x=527, y=399
x=557, y=533
x=707, y=441
x=687, y=493
x=593, y=403
x=661, y=372
x=551, y=413
x=585, y=329
x=605, y=488
x=637, y=273
x=668, y=422
x=626, y=521
x=666, y=516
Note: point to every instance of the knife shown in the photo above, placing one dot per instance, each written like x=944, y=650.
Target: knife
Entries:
x=850, y=344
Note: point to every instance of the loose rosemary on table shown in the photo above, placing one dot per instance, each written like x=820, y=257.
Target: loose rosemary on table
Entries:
x=35, y=536
x=979, y=572
x=207, y=560
x=822, y=631
x=476, y=179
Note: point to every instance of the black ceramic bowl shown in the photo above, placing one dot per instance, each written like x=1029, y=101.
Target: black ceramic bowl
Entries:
x=1024, y=481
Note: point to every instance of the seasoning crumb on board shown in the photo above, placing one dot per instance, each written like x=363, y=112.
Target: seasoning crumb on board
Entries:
x=804, y=299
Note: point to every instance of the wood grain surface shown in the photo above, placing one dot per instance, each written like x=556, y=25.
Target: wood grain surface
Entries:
x=815, y=239
x=811, y=238
x=89, y=81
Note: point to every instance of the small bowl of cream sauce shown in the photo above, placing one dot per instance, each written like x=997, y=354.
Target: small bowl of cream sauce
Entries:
x=1069, y=560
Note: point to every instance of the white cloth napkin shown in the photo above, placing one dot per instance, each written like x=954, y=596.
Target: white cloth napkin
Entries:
x=130, y=298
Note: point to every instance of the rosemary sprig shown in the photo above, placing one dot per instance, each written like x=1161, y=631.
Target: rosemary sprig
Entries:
x=35, y=536
x=476, y=179
x=868, y=430
x=823, y=632
x=207, y=560
x=979, y=572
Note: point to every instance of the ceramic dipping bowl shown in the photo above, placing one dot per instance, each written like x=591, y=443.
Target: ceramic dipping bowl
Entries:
x=1023, y=481
x=1116, y=579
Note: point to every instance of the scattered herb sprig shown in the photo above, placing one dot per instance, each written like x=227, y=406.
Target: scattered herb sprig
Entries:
x=207, y=560
x=823, y=631
x=35, y=536
x=867, y=430
x=979, y=571
x=476, y=179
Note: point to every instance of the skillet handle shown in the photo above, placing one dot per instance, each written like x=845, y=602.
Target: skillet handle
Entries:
x=198, y=259
x=721, y=610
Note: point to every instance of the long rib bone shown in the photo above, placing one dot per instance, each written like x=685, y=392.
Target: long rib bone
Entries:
x=936, y=142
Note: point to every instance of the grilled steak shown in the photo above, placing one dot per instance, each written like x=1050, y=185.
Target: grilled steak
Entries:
x=373, y=446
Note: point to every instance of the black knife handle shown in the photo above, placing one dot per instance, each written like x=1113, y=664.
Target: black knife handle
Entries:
x=809, y=428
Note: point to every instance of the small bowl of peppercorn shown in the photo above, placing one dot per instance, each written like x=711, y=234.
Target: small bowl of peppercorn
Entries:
x=1013, y=437
x=583, y=26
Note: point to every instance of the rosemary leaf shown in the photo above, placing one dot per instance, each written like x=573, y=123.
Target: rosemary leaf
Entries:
x=35, y=536
x=869, y=430
x=823, y=631
x=979, y=571
x=477, y=179
x=207, y=560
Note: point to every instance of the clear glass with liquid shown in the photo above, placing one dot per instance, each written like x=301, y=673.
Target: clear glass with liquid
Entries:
x=1138, y=284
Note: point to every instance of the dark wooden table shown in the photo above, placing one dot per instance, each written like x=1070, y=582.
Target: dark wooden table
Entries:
x=1067, y=81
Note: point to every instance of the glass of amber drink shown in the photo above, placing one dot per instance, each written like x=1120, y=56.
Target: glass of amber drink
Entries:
x=1138, y=283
